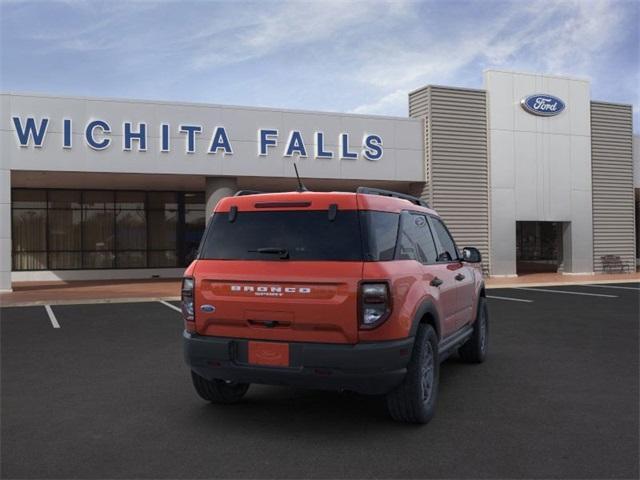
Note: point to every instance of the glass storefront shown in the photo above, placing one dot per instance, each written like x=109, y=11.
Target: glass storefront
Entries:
x=93, y=229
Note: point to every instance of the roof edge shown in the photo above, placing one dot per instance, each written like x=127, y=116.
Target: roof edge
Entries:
x=201, y=104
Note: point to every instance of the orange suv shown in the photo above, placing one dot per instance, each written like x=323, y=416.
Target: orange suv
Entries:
x=365, y=292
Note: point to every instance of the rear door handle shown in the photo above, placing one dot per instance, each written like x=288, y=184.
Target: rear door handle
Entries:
x=436, y=282
x=459, y=277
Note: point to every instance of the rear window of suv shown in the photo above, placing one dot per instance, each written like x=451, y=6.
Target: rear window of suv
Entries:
x=301, y=235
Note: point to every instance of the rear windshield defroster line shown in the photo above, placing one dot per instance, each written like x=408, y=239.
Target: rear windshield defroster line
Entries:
x=282, y=204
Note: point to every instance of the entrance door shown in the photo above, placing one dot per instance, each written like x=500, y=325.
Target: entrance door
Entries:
x=538, y=247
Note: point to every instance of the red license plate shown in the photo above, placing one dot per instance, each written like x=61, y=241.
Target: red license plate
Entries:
x=269, y=354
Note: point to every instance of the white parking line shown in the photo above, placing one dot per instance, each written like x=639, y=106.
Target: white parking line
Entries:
x=52, y=317
x=610, y=286
x=568, y=292
x=167, y=304
x=512, y=299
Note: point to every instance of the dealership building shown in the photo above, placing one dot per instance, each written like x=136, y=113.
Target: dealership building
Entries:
x=529, y=169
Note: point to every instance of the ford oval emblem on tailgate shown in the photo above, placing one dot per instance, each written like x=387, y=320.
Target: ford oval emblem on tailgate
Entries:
x=208, y=308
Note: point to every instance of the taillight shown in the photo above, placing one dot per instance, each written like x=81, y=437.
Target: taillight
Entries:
x=187, y=299
x=375, y=304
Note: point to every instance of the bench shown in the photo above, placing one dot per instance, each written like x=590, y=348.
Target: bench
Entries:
x=613, y=263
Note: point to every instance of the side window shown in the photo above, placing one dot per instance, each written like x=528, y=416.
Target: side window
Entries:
x=415, y=240
x=447, y=251
x=379, y=233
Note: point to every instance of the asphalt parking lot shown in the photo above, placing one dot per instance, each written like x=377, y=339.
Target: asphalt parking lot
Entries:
x=105, y=394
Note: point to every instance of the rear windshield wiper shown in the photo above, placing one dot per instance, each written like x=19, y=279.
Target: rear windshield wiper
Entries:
x=283, y=252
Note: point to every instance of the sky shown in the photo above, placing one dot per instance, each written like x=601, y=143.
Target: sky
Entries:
x=343, y=55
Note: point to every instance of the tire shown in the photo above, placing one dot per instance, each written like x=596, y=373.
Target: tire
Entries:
x=414, y=400
x=475, y=349
x=219, y=391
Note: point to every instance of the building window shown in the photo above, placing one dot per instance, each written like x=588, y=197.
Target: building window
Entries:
x=98, y=229
x=194, y=222
x=93, y=229
x=131, y=230
x=162, y=216
x=65, y=229
x=29, y=230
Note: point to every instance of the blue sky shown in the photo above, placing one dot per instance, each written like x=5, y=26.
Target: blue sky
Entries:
x=346, y=56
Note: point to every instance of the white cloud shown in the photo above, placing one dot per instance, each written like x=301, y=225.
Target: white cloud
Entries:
x=394, y=103
x=288, y=25
x=589, y=26
x=552, y=37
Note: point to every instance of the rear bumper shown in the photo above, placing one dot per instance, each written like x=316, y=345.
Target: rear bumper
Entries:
x=370, y=368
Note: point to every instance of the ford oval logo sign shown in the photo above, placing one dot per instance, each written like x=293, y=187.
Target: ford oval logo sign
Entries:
x=543, y=105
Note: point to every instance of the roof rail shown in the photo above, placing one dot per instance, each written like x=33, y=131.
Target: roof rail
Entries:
x=242, y=193
x=389, y=193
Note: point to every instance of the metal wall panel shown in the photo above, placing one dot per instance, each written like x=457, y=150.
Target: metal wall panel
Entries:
x=612, y=179
x=456, y=152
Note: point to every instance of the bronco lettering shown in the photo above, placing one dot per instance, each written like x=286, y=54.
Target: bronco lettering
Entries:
x=269, y=289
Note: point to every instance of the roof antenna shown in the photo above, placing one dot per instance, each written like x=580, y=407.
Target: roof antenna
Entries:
x=301, y=187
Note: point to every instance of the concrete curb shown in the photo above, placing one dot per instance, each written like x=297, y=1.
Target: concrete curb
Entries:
x=561, y=284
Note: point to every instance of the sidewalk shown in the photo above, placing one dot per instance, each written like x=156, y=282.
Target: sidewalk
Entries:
x=551, y=279
x=52, y=293
x=112, y=291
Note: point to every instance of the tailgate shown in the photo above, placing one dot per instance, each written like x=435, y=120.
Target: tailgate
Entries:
x=297, y=301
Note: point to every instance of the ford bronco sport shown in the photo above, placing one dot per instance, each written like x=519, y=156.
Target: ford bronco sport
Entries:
x=365, y=292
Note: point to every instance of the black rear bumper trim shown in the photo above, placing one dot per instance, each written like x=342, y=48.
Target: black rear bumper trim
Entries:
x=370, y=368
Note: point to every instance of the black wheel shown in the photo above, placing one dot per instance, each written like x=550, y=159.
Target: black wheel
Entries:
x=414, y=400
x=475, y=349
x=218, y=391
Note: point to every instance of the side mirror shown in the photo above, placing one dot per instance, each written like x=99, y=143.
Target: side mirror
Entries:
x=471, y=255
